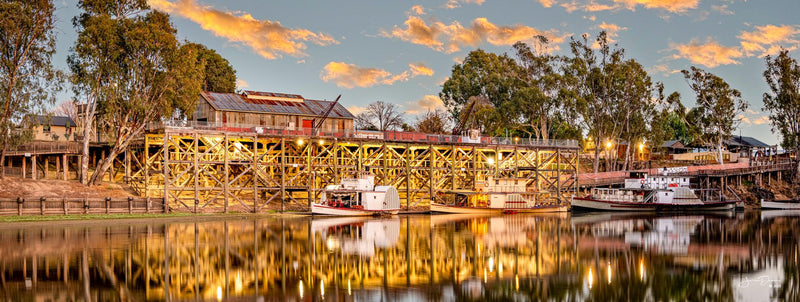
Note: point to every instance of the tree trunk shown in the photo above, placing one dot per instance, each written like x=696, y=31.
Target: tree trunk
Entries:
x=85, y=153
x=103, y=165
x=627, y=156
x=3, y=162
x=596, y=161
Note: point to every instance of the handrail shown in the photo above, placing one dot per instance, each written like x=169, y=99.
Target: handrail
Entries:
x=401, y=136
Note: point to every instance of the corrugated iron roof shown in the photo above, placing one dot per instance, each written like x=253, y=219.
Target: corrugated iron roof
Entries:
x=240, y=102
x=55, y=120
x=273, y=94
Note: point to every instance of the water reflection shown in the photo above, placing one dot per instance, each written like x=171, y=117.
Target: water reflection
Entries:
x=442, y=257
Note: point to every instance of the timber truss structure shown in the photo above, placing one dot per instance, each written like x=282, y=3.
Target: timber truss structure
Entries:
x=202, y=171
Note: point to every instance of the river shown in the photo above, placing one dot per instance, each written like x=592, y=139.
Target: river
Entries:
x=749, y=256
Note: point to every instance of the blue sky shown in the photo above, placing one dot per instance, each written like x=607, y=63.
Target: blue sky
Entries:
x=402, y=51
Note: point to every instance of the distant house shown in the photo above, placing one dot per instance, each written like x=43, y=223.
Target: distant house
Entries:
x=674, y=147
x=271, y=110
x=53, y=128
x=746, y=145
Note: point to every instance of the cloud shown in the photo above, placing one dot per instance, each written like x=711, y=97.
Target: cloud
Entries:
x=451, y=4
x=612, y=32
x=761, y=120
x=268, y=38
x=768, y=39
x=710, y=54
x=418, y=10
x=351, y=76
x=722, y=9
x=452, y=37
x=241, y=84
x=356, y=109
x=663, y=69
x=426, y=103
x=420, y=69
x=673, y=6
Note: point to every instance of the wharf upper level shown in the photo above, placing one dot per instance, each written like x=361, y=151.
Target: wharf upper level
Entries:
x=473, y=138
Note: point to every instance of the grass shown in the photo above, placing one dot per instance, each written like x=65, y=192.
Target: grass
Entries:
x=38, y=218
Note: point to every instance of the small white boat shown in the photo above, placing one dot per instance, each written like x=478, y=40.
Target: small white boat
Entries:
x=495, y=196
x=358, y=197
x=655, y=194
x=780, y=205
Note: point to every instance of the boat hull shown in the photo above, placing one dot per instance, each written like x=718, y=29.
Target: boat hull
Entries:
x=602, y=205
x=777, y=205
x=318, y=209
x=441, y=208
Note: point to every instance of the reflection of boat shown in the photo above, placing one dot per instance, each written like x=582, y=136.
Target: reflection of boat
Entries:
x=357, y=236
x=651, y=194
x=771, y=214
x=358, y=197
x=780, y=204
x=667, y=235
x=495, y=196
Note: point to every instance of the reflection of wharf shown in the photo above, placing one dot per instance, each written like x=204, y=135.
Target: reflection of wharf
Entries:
x=195, y=259
x=206, y=168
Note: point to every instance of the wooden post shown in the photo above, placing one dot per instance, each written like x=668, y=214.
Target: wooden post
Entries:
x=20, y=201
x=146, y=167
x=130, y=205
x=127, y=165
x=195, y=171
x=24, y=172
x=66, y=205
x=41, y=205
x=102, y=158
x=58, y=166
x=166, y=169
x=432, y=159
x=33, y=167
x=225, y=185
x=108, y=204
x=283, y=173
x=558, y=177
x=46, y=166
x=309, y=146
x=85, y=206
x=255, y=174
x=147, y=205
x=409, y=158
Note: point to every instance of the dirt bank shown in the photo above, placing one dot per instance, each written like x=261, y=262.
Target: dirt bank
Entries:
x=11, y=187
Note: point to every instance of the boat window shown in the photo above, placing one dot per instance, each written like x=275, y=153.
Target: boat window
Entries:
x=497, y=182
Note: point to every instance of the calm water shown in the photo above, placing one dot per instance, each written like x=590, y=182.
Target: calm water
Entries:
x=749, y=256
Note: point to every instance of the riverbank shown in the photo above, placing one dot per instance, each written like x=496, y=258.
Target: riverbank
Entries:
x=12, y=187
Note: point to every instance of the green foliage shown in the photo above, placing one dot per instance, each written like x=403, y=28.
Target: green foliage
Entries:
x=218, y=74
x=28, y=80
x=718, y=106
x=482, y=74
x=129, y=63
x=783, y=98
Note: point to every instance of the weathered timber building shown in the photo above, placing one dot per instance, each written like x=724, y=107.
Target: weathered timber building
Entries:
x=269, y=110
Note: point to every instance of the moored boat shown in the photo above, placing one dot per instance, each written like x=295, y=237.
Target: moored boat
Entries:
x=780, y=205
x=358, y=197
x=655, y=194
x=495, y=196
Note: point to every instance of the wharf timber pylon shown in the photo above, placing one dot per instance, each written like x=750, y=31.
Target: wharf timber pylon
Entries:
x=216, y=171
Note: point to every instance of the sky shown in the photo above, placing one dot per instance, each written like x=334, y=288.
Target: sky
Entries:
x=403, y=51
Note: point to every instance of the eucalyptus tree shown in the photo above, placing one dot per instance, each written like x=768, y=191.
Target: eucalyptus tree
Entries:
x=783, y=101
x=481, y=75
x=718, y=106
x=28, y=80
x=131, y=70
x=536, y=102
x=639, y=101
x=218, y=74
x=589, y=75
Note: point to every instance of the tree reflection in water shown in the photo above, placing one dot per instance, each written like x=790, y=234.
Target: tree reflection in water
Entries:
x=596, y=257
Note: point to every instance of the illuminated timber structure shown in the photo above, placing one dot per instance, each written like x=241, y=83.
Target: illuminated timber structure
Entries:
x=256, y=150
x=203, y=167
